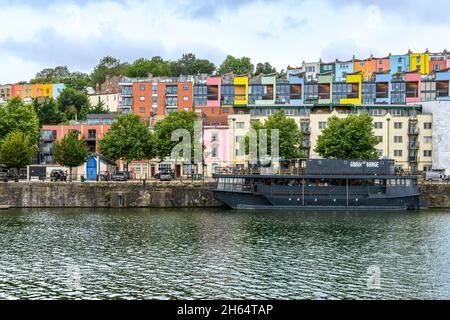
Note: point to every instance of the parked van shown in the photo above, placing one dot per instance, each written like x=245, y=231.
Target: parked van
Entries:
x=434, y=176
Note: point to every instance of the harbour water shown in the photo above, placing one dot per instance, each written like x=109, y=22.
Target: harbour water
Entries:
x=215, y=253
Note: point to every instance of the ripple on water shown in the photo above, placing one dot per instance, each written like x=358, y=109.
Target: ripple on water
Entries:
x=211, y=254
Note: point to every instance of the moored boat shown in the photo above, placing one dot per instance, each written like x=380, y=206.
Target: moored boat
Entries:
x=323, y=185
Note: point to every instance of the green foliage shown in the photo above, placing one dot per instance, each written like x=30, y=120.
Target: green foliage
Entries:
x=70, y=151
x=190, y=65
x=48, y=112
x=17, y=116
x=142, y=67
x=165, y=128
x=107, y=66
x=17, y=150
x=97, y=109
x=72, y=102
x=290, y=136
x=348, y=138
x=236, y=65
x=264, y=68
x=128, y=139
x=62, y=74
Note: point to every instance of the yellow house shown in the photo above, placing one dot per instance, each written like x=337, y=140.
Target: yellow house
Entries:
x=47, y=90
x=355, y=96
x=420, y=62
x=37, y=90
x=241, y=90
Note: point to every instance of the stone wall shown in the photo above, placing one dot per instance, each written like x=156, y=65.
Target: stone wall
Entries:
x=106, y=195
x=437, y=195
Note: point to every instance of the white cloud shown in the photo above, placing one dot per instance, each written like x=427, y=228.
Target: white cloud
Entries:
x=284, y=32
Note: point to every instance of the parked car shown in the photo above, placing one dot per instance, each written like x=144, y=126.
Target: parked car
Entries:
x=104, y=176
x=165, y=176
x=58, y=175
x=164, y=172
x=120, y=176
x=6, y=177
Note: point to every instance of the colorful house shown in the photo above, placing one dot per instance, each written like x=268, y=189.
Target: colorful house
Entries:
x=413, y=87
x=354, y=89
x=438, y=62
x=442, y=85
x=399, y=63
x=296, y=90
x=342, y=68
x=241, y=90
x=329, y=67
x=325, y=82
x=419, y=62
x=383, y=88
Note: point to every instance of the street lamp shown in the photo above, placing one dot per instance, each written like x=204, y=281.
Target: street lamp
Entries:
x=388, y=137
x=203, y=144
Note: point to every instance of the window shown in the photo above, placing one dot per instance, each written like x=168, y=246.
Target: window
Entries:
x=142, y=88
x=142, y=109
x=214, y=152
x=214, y=137
x=225, y=110
x=378, y=125
x=427, y=153
x=380, y=153
x=240, y=125
x=427, y=125
x=399, y=69
x=185, y=98
x=380, y=62
x=185, y=87
x=322, y=125
x=418, y=59
x=380, y=139
x=398, y=139
x=437, y=67
x=155, y=100
x=398, y=125
x=400, y=60
x=427, y=139
x=142, y=98
x=398, y=153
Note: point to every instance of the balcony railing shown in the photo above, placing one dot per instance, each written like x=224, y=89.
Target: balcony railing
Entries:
x=413, y=131
x=414, y=145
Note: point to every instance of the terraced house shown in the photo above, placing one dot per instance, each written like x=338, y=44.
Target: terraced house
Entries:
x=393, y=90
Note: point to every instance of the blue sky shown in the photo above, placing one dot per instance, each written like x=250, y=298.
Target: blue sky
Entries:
x=38, y=34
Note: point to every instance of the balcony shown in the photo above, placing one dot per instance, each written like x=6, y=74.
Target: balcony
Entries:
x=306, y=131
x=415, y=145
x=306, y=144
x=413, y=159
x=48, y=135
x=413, y=131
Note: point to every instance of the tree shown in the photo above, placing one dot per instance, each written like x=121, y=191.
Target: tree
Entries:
x=188, y=64
x=107, y=66
x=236, y=65
x=62, y=74
x=70, y=151
x=100, y=108
x=129, y=139
x=290, y=136
x=142, y=67
x=48, y=112
x=165, y=128
x=348, y=138
x=18, y=116
x=70, y=97
x=17, y=150
x=264, y=68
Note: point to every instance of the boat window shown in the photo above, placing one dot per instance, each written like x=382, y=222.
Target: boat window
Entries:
x=392, y=182
x=408, y=183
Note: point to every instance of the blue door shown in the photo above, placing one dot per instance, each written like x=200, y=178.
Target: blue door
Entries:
x=91, y=169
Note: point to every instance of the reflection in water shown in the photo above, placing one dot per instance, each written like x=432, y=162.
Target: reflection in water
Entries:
x=211, y=253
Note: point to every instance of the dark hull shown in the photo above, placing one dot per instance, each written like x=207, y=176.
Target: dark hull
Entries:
x=249, y=201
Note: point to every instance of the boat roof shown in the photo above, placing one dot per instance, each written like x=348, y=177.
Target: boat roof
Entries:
x=311, y=176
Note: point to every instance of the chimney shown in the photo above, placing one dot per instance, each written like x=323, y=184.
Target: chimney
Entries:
x=97, y=88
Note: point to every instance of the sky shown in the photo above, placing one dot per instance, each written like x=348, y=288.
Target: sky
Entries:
x=37, y=34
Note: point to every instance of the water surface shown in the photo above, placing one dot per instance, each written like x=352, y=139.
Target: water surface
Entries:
x=214, y=253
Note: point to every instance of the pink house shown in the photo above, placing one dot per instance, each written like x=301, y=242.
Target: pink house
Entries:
x=413, y=87
x=217, y=151
x=213, y=91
